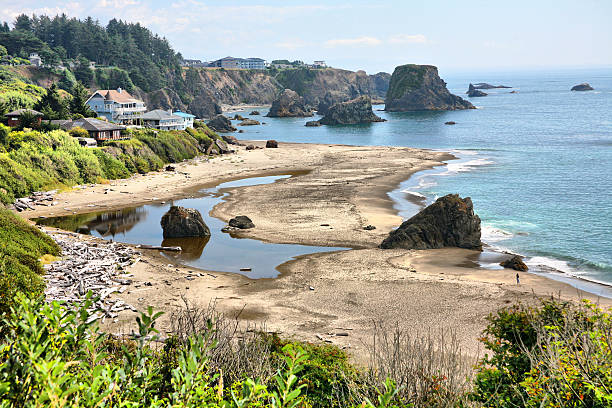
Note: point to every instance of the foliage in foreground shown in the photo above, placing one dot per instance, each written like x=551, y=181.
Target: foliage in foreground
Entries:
x=554, y=356
x=21, y=245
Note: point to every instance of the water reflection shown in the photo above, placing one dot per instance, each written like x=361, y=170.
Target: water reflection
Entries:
x=192, y=247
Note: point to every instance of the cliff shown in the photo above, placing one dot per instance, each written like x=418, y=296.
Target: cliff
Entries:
x=355, y=111
x=417, y=88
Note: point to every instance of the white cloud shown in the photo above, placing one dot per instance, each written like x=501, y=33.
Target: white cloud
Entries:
x=408, y=39
x=293, y=44
x=358, y=41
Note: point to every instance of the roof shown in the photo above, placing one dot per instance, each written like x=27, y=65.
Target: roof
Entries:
x=117, y=95
x=183, y=114
x=158, y=114
x=91, y=124
x=255, y=59
x=19, y=112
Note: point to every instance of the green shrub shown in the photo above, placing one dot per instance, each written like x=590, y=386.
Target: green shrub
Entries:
x=21, y=245
x=78, y=132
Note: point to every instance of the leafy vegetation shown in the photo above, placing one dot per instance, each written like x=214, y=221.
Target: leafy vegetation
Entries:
x=16, y=91
x=21, y=245
x=297, y=79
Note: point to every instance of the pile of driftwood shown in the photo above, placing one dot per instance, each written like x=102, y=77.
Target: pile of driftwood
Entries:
x=98, y=267
x=36, y=198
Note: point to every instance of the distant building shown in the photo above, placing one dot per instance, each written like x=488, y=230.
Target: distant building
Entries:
x=187, y=118
x=13, y=117
x=35, y=59
x=319, y=64
x=281, y=66
x=163, y=120
x=239, y=63
x=99, y=130
x=117, y=106
x=193, y=63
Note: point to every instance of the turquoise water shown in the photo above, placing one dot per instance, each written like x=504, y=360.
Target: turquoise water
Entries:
x=537, y=163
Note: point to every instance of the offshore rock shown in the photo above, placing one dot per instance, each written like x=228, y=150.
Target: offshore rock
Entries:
x=449, y=222
x=180, y=222
x=312, y=123
x=289, y=104
x=516, y=263
x=474, y=92
x=583, y=87
x=330, y=99
x=419, y=88
x=255, y=113
x=249, y=122
x=221, y=123
x=484, y=85
x=358, y=110
x=242, y=222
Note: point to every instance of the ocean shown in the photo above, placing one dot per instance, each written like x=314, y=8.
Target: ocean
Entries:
x=537, y=163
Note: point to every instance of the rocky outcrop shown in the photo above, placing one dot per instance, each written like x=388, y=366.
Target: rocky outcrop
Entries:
x=180, y=222
x=516, y=263
x=313, y=123
x=358, y=110
x=314, y=84
x=330, y=99
x=484, y=85
x=238, y=117
x=449, y=222
x=229, y=139
x=249, y=122
x=242, y=222
x=204, y=105
x=271, y=144
x=419, y=88
x=255, y=113
x=472, y=92
x=221, y=123
x=289, y=104
x=583, y=87
x=450, y=122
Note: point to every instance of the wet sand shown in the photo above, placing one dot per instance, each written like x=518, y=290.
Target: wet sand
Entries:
x=343, y=189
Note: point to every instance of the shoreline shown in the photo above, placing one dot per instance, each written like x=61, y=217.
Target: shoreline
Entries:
x=345, y=187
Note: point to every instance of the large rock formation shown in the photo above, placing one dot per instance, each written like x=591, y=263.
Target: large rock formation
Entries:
x=221, y=123
x=180, y=222
x=418, y=88
x=473, y=92
x=330, y=99
x=516, y=263
x=484, y=85
x=583, y=87
x=358, y=110
x=289, y=104
x=449, y=222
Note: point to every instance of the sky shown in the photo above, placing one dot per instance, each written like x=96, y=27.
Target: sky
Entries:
x=456, y=36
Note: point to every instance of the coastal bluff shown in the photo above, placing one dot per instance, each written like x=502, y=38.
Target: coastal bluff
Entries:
x=420, y=88
x=449, y=222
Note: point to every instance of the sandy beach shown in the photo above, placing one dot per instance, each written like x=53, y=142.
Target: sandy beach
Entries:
x=338, y=191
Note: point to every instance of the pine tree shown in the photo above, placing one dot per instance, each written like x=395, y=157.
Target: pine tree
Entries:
x=52, y=105
x=78, y=103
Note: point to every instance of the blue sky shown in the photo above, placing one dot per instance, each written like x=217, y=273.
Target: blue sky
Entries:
x=370, y=35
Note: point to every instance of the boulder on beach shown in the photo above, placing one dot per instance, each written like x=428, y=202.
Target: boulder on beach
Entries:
x=242, y=222
x=180, y=222
x=312, y=123
x=222, y=147
x=249, y=122
x=250, y=147
x=449, y=222
x=221, y=123
x=583, y=87
x=419, y=88
x=229, y=139
x=355, y=111
x=473, y=92
x=272, y=144
x=289, y=104
x=516, y=263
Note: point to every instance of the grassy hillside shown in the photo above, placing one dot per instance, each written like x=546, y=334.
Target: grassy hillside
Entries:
x=16, y=90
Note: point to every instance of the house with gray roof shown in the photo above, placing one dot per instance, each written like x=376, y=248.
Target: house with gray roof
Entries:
x=162, y=120
x=99, y=130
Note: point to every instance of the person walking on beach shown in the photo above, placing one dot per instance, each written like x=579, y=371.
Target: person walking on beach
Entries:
x=518, y=281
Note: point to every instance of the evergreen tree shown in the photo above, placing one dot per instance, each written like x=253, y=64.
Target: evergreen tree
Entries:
x=83, y=72
x=52, y=105
x=78, y=103
x=23, y=23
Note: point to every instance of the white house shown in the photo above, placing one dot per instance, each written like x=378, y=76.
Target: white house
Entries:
x=163, y=120
x=35, y=59
x=117, y=106
x=187, y=118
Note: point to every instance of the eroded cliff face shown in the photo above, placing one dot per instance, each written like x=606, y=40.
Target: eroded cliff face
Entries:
x=338, y=85
x=418, y=88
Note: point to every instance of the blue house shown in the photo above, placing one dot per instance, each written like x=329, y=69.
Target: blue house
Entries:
x=187, y=117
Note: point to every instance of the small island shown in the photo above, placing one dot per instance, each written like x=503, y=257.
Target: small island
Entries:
x=582, y=87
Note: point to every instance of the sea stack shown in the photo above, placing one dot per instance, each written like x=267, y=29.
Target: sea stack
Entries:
x=449, y=222
x=356, y=111
x=419, y=88
x=583, y=87
x=474, y=92
x=289, y=104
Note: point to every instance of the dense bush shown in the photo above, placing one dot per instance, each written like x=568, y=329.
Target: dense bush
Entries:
x=555, y=355
x=21, y=245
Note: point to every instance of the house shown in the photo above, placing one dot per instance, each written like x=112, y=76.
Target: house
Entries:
x=35, y=59
x=319, y=64
x=13, y=117
x=163, y=120
x=187, y=118
x=192, y=63
x=239, y=63
x=99, y=130
x=117, y=105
